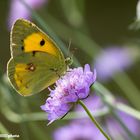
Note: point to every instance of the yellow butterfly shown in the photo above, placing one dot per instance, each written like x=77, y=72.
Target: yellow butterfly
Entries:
x=36, y=61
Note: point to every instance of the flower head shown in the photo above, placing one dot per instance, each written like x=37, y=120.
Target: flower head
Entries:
x=70, y=88
x=78, y=130
x=23, y=12
x=113, y=60
x=55, y=108
x=83, y=129
x=117, y=131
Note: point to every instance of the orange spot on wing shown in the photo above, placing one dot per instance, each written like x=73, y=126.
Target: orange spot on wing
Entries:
x=32, y=43
x=19, y=75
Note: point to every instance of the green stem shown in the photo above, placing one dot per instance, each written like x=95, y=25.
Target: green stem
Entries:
x=131, y=91
x=129, y=110
x=109, y=100
x=115, y=115
x=93, y=120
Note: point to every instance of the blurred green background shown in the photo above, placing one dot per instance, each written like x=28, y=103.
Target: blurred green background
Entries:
x=106, y=21
x=99, y=24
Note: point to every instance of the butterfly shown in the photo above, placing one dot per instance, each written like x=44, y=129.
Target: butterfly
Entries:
x=36, y=61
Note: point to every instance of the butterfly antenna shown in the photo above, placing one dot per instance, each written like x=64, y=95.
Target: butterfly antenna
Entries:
x=69, y=45
x=69, y=55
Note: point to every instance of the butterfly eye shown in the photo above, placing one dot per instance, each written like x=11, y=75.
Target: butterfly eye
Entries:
x=42, y=42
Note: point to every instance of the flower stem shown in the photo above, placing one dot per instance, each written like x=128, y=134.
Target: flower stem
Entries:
x=93, y=120
x=109, y=100
x=131, y=91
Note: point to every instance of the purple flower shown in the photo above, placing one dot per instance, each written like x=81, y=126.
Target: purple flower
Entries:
x=74, y=86
x=55, y=108
x=113, y=60
x=78, y=130
x=83, y=129
x=93, y=103
x=18, y=10
x=117, y=131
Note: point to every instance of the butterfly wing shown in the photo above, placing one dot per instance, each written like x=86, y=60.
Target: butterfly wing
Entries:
x=36, y=60
x=27, y=37
x=31, y=74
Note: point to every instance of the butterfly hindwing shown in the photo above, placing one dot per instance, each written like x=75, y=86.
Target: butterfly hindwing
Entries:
x=30, y=74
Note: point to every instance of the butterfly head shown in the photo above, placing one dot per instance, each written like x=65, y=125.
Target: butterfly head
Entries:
x=68, y=61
